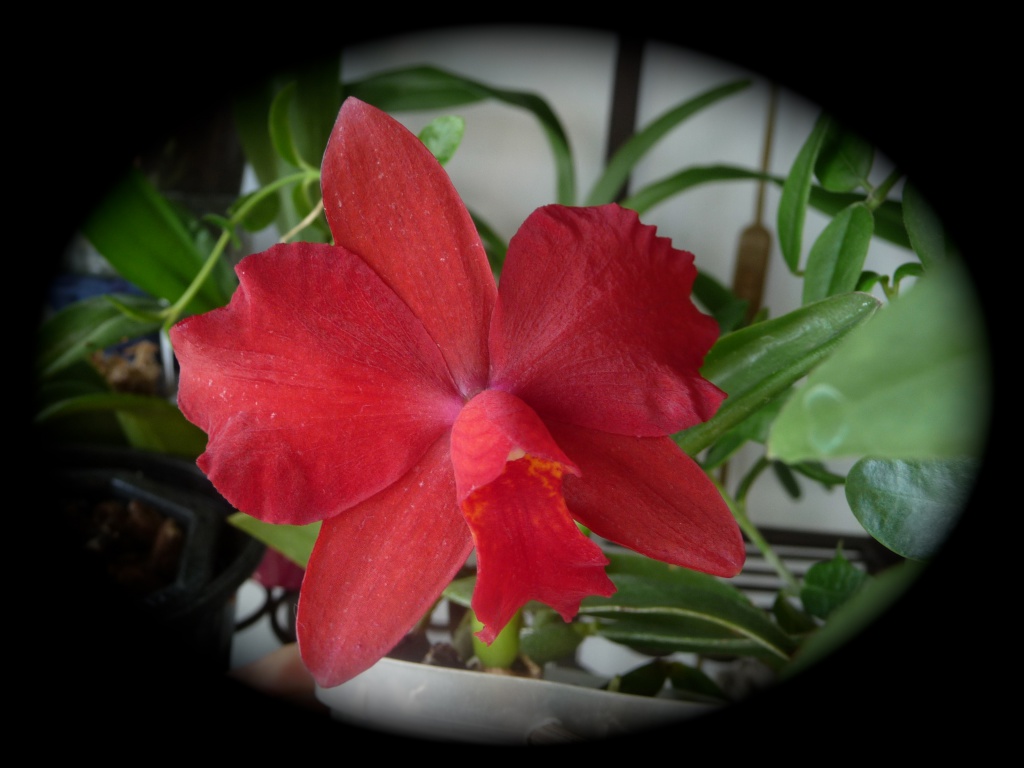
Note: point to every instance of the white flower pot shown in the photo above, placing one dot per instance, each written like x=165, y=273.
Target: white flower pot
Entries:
x=441, y=703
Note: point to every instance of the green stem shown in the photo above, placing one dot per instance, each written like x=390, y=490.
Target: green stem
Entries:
x=738, y=507
x=881, y=192
x=172, y=314
x=503, y=652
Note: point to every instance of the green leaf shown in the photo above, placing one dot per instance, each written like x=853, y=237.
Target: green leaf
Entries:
x=694, y=684
x=626, y=157
x=148, y=422
x=755, y=427
x=911, y=384
x=281, y=129
x=661, y=609
x=658, y=191
x=844, y=161
x=829, y=584
x=721, y=302
x=646, y=680
x=758, y=363
x=924, y=228
x=79, y=329
x=551, y=641
x=148, y=243
x=791, y=619
x=796, y=191
x=293, y=541
x=425, y=87
x=910, y=506
x=837, y=257
x=316, y=96
x=442, y=136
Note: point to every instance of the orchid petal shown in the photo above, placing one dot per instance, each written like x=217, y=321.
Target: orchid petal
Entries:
x=387, y=199
x=376, y=570
x=309, y=412
x=646, y=494
x=595, y=326
x=509, y=477
x=489, y=428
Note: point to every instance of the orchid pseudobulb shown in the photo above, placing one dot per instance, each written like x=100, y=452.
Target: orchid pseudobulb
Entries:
x=386, y=386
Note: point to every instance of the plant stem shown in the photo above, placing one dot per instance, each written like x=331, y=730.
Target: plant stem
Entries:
x=738, y=507
x=503, y=652
x=173, y=313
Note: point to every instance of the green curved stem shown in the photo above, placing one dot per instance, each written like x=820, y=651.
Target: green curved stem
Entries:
x=173, y=312
x=738, y=506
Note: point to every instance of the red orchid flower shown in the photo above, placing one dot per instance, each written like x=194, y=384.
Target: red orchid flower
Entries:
x=388, y=387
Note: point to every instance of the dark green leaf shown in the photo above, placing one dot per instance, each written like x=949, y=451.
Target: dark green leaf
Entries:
x=662, y=609
x=626, y=157
x=844, y=161
x=87, y=326
x=786, y=479
x=719, y=301
x=837, y=257
x=796, y=191
x=149, y=244
x=791, y=619
x=693, y=684
x=645, y=680
x=910, y=506
x=148, y=422
x=829, y=584
x=552, y=641
x=280, y=126
x=496, y=247
x=758, y=363
x=924, y=228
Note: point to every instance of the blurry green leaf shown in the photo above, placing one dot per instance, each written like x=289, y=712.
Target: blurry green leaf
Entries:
x=837, y=257
x=830, y=583
x=758, y=363
x=818, y=472
x=888, y=215
x=626, y=157
x=293, y=541
x=796, y=191
x=442, y=136
x=148, y=243
x=79, y=329
x=693, y=683
x=791, y=619
x=722, y=303
x=911, y=384
x=148, y=422
x=910, y=506
x=646, y=680
x=924, y=228
x=786, y=479
x=460, y=591
x=844, y=161
x=551, y=641
x=425, y=87
x=316, y=95
x=281, y=129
